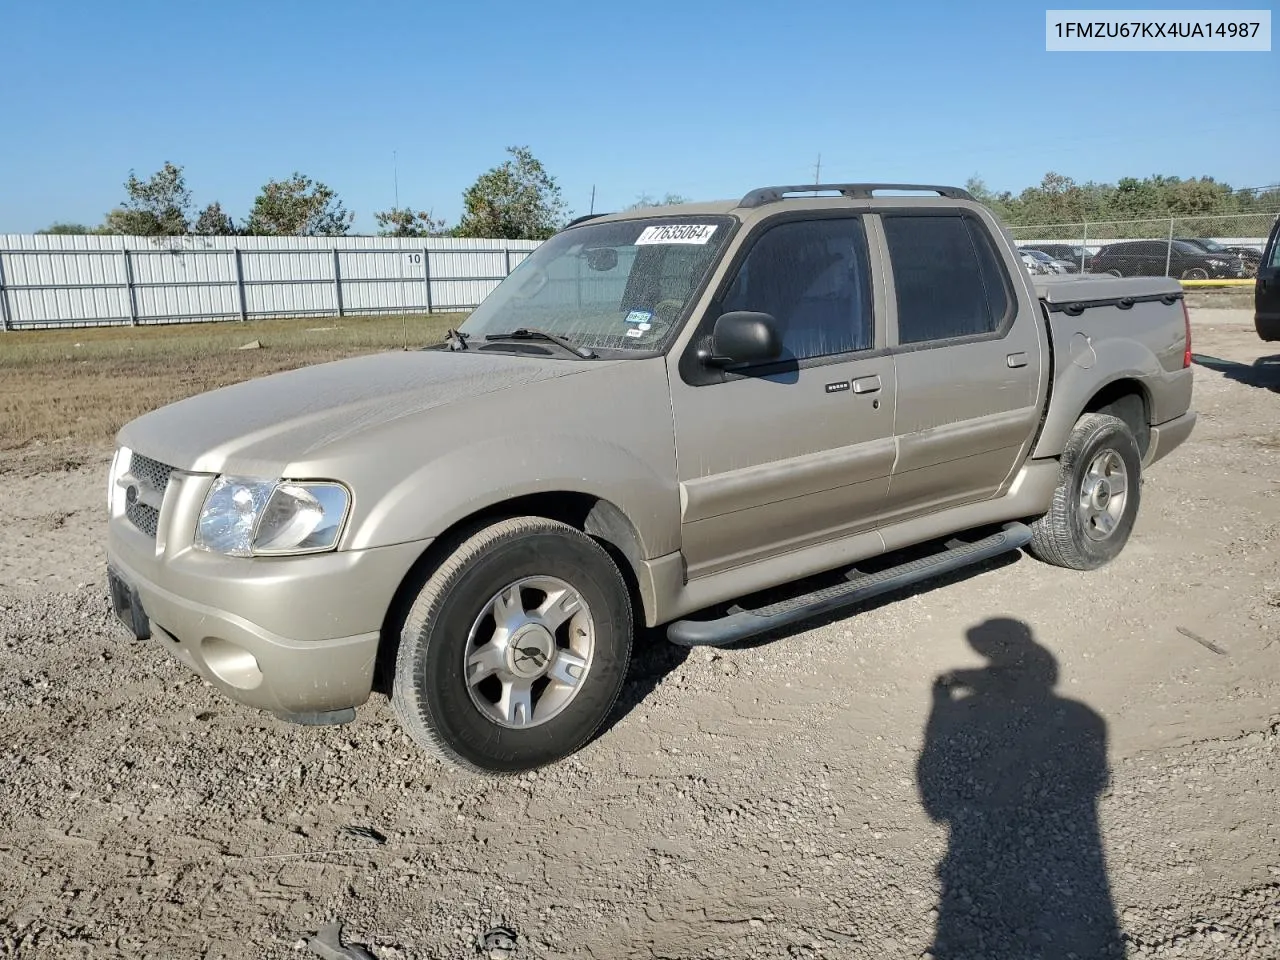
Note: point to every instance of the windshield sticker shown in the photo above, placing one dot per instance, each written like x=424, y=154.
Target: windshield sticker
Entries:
x=643, y=326
x=698, y=233
x=638, y=316
x=635, y=332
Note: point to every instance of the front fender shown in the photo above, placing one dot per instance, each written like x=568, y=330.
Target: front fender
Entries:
x=492, y=470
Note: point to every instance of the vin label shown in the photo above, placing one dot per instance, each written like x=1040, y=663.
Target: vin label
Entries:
x=1138, y=31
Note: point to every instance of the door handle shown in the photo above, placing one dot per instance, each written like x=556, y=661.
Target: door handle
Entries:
x=866, y=384
x=1016, y=359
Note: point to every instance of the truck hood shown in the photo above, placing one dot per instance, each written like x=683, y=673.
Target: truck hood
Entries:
x=259, y=426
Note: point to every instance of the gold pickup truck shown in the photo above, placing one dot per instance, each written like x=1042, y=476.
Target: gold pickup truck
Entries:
x=657, y=415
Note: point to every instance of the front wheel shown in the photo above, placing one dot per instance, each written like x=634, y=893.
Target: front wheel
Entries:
x=1195, y=273
x=516, y=648
x=1096, y=501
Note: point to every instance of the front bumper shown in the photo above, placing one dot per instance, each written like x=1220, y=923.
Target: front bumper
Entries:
x=293, y=635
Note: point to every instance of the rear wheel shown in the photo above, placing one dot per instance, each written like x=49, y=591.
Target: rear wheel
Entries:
x=1097, y=498
x=516, y=648
x=1113, y=272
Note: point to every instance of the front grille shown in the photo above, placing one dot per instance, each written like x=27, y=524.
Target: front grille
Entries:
x=145, y=518
x=151, y=472
x=150, y=475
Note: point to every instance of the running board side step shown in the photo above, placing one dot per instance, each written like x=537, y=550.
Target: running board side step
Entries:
x=740, y=624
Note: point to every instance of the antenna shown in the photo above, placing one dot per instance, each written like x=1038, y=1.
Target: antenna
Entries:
x=593, y=199
x=817, y=171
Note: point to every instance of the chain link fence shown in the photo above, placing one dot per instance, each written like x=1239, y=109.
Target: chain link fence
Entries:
x=1213, y=248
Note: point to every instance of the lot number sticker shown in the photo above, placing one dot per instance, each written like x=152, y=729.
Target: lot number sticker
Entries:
x=698, y=233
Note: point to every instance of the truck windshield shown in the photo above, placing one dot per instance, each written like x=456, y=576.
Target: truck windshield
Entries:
x=612, y=286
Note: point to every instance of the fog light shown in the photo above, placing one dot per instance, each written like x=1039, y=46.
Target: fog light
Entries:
x=231, y=664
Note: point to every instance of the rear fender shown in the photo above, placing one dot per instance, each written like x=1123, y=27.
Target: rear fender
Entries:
x=1083, y=373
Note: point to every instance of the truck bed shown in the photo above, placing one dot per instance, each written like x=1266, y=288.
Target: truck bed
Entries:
x=1096, y=312
x=1104, y=329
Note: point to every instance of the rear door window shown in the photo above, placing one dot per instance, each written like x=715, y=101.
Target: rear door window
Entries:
x=947, y=278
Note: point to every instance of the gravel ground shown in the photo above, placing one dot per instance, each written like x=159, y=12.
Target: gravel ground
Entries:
x=1075, y=759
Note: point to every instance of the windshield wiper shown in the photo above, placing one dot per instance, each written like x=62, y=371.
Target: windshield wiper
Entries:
x=530, y=333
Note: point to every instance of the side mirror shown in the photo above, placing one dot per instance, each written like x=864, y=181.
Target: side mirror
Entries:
x=743, y=336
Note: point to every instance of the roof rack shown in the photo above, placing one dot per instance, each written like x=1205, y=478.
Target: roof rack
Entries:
x=577, y=220
x=854, y=191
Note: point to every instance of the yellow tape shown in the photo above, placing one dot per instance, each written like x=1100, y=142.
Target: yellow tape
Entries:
x=1217, y=283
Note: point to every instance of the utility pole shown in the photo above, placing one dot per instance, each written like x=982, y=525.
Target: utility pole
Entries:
x=817, y=170
x=395, y=176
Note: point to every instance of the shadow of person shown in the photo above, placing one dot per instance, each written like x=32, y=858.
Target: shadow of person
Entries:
x=1015, y=771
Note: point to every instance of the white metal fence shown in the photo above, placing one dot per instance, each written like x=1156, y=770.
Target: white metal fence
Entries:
x=80, y=281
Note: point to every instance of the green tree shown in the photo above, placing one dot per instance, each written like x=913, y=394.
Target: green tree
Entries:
x=403, y=222
x=66, y=229
x=1259, y=199
x=668, y=200
x=1134, y=199
x=1057, y=205
x=999, y=203
x=1202, y=196
x=298, y=207
x=214, y=222
x=159, y=206
x=516, y=200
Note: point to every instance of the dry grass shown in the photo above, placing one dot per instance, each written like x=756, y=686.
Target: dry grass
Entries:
x=83, y=385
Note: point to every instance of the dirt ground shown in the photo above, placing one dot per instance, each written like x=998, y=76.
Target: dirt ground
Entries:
x=1103, y=754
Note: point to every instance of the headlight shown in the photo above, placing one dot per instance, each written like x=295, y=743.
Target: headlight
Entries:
x=1217, y=263
x=245, y=518
x=119, y=467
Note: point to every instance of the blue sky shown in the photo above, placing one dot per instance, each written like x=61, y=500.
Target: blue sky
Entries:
x=702, y=99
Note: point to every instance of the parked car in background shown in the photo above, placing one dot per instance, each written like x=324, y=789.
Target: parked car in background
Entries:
x=1034, y=266
x=1266, y=288
x=1053, y=264
x=1149, y=258
x=1249, y=255
x=1077, y=255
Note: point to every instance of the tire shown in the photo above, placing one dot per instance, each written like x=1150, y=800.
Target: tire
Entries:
x=1268, y=329
x=1195, y=273
x=1113, y=272
x=1072, y=534
x=481, y=725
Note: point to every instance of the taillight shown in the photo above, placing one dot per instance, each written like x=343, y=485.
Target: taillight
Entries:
x=1186, y=318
